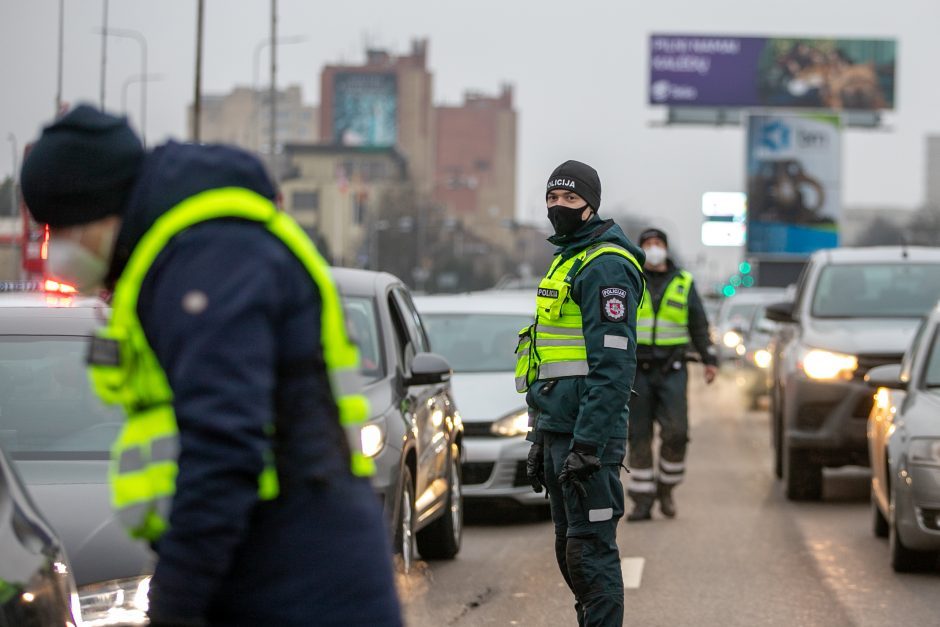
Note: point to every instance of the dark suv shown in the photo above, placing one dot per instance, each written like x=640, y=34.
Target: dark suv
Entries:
x=854, y=309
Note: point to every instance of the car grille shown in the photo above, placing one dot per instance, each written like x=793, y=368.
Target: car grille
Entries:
x=867, y=362
x=520, y=479
x=478, y=429
x=475, y=473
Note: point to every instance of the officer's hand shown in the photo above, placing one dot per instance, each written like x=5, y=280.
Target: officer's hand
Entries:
x=581, y=463
x=535, y=467
x=710, y=373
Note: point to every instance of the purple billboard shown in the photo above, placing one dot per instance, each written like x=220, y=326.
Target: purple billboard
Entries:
x=717, y=71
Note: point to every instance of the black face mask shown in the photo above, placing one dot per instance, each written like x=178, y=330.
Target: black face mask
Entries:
x=566, y=220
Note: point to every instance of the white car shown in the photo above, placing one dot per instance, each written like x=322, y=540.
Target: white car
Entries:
x=477, y=333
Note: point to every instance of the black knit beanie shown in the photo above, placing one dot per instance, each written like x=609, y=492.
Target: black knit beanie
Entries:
x=81, y=168
x=580, y=178
x=650, y=234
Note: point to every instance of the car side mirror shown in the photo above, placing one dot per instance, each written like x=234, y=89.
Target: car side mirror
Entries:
x=766, y=326
x=887, y=376
x=780, y=312
x=428, y=369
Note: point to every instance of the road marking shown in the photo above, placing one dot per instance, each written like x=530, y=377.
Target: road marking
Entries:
x=632, y=568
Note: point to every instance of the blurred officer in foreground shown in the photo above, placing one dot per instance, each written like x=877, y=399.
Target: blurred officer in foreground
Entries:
x=670, y=318
x=239, y=460
x=576, y=364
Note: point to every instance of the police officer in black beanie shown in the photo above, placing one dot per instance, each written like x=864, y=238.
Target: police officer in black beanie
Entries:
x=576, y=365
x=222, y=346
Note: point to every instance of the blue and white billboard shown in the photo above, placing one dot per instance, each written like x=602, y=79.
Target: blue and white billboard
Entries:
x=793, y=183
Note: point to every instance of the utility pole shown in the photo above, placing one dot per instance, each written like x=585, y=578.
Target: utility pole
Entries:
x=58, y=90
x=104, y=49
x=142, y=42
x=273, y=110
x=197, y=96
x=14, y=206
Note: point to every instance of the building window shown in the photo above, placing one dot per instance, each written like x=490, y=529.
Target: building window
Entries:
x=305, y=200
x=482, y=165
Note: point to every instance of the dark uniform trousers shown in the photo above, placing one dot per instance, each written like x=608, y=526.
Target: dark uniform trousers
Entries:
x=661, y=397
x=585, y=531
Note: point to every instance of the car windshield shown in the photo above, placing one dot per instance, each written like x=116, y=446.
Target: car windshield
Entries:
x=738, y=315
x=476, y=342
x=932, y=372
x=47, y=407
x=362, y=326
x=895, y=290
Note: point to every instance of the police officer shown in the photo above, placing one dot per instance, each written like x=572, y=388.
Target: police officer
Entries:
x=226, y=346
x=670, y=317
x=576, y=363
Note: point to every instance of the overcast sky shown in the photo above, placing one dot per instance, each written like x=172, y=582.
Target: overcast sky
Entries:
x=578, y=67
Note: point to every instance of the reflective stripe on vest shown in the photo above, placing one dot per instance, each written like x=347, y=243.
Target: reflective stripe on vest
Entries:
x=558, y=337
x=669, y=325
x=143, y=465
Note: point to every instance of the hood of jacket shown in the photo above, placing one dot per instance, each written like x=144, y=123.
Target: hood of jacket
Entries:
x=593, y=231
x=173, y=172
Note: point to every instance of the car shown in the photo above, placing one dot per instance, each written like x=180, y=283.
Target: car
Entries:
x=854, y=309
x=477, y=332
x=415, y=434
x=734, y=318
x=904, y=449
x=58, y=435
x=36, y=582
x=752, y=367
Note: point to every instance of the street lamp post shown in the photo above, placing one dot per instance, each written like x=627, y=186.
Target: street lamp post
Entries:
x=137, y=36
x=13, y=209
x=256, y=62
x=144, y=78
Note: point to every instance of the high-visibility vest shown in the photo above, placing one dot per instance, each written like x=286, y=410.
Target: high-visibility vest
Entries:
x=125, y=371
x=553, y=347
x=668, y=325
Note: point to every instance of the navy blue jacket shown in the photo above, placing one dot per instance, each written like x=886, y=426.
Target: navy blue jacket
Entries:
x=234, y=319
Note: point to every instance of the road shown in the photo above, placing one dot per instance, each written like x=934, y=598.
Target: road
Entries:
x=737, y=554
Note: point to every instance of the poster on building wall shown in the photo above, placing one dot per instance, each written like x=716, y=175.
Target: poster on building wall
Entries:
x=786, y=72
x=365, y=109
x=793, y=183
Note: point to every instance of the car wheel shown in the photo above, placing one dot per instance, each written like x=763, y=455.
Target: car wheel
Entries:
x=405, y=525
x=441, y=539
x=903, y=559
x=776, y=436
x=802, y=477
x=879, y=524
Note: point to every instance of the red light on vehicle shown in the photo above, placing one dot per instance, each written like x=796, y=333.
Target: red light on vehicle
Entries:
x=57, y=287
x=44, y=249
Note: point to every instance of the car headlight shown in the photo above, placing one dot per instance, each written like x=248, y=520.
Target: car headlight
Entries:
x=511, y=425
x=732, y=339
x=924, y=451
x=763, y=358
x=372, y=436
x=827, y=365
x=115, y=602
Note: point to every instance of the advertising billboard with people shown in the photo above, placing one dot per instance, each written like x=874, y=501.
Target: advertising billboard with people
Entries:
x=365, y=109
x=787, y=72
x=793, y=183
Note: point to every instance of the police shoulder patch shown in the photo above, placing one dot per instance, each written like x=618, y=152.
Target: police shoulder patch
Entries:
x=614, y=303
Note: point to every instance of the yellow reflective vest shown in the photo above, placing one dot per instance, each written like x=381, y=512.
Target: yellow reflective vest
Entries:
x=553, y=347
x=668, y=325
x=125, y=371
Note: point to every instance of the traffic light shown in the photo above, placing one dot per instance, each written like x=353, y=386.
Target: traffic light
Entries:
x=747, y=281
x=735, y=281
x=728, y=291
x=744, y=267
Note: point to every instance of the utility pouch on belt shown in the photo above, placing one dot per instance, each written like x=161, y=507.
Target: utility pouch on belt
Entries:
x=527, y=368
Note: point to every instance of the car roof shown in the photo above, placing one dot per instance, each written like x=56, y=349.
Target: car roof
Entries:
x=39, y=314
x=868, y=254
x=756, y=295
x=355, y=282
x=486, y=301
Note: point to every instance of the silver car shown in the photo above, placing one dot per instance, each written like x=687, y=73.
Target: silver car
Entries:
x=477, y=333
x=904, y=448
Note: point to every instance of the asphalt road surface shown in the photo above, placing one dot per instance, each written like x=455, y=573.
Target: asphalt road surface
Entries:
x=737, y=554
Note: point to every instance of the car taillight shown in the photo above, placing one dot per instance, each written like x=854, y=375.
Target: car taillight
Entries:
x=51, y=286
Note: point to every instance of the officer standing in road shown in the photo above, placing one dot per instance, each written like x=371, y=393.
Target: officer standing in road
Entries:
x=670, y=316
x=576, y=363
x=239, y=461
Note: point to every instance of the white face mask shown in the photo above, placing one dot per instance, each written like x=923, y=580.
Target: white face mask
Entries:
x=655, y=255
x=70, y=262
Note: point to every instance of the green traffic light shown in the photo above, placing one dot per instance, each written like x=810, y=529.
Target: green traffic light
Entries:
x=728, y=291
x=735, y=281
x=744, y=267
x=748, y=281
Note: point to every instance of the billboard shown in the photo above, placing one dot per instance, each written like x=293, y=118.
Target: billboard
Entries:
x=793, y=183
x=786, y=72
x=365, y=109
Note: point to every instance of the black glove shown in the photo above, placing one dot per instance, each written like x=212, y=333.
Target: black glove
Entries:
x=535, y=466
x=581, y=463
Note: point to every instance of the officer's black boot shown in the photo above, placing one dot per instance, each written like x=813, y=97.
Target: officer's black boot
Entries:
x=642, y=507
x=666, y=505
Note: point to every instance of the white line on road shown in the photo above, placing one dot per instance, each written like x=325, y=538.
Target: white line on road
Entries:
x=632, y=568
